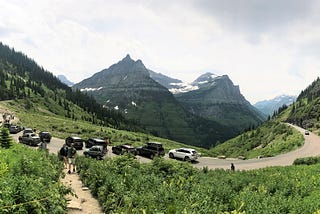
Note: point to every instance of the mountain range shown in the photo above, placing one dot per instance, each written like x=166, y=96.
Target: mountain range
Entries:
x=268, y=107
x=216, y=98
x=64, y=80
x=145, y=97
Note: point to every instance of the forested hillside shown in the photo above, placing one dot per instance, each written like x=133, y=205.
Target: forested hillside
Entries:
x=22, y=78
x=274, y=137
x=305, y=112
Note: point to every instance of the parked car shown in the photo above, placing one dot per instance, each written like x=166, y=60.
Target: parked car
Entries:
x=95, y=151
x=151, y=150
x=306, y=132
x=14, y=129
x=27, y=130
x=124, y=148
x=45, y=136
x=6, y=125
x=77, y=142
x=31, y=139
x=94, y=141
x=185, y=154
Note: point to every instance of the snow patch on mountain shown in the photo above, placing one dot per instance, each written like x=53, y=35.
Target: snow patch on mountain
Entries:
x=91, y=89
x=182, y=88
x=203, y=82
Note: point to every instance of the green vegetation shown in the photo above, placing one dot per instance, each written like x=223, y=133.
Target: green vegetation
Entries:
x=123, y=185
x=5, y=139
x=306, y=113
x=29, y=182
x=269, y=139
x=22, y=78
x=307, y=161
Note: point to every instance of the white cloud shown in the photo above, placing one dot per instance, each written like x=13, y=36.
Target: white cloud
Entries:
x=266, y=47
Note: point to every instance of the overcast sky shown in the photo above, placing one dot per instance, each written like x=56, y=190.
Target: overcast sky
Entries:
x=267, y=47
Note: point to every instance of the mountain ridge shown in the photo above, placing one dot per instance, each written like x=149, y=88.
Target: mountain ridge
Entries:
x=128, y=87
x=268, y=107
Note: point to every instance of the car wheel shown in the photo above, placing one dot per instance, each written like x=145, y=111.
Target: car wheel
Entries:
x=186, y=158
x=171, y=155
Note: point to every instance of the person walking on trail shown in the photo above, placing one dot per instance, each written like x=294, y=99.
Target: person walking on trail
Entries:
x=64, y=153
x=232, y=167
x=43, y=145
x=71, y=158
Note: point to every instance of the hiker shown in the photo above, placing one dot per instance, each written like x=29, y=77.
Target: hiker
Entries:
x=43, y=145
x=64, y=153
x=232, y=167
x=105, y=146
x=71, y=158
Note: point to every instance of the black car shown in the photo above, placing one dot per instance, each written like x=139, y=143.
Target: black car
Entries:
x=95, y=151
x=124, y=148
x=6, y=125
x=45, y=136
x=94, y=141
x=13, y=129
x=151, y=150
x=77, y=142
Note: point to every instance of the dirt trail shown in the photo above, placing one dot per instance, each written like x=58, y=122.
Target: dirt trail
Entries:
x=83, y=202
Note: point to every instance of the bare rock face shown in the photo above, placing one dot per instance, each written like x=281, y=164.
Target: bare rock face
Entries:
x=217, y=98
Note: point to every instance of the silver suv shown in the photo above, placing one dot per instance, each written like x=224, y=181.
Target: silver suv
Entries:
x=185, y=154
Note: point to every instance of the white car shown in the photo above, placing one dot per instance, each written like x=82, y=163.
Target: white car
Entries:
x=184, y=154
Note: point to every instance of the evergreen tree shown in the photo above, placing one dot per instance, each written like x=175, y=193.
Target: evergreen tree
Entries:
x=5, y=139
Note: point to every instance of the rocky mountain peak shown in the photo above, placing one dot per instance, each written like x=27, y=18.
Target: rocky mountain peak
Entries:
x=207, y=77
x=127, y=58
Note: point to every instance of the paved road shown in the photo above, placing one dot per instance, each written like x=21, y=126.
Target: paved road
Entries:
x=310, y=148
x=56, y=143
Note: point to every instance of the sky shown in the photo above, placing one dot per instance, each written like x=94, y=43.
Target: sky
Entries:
x=267, y=47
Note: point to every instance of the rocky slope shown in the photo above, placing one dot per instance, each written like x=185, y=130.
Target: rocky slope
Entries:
x=217, y=98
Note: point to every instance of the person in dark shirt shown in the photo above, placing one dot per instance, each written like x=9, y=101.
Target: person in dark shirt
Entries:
x=232, y=167
x=64, y=153
x=71, y=158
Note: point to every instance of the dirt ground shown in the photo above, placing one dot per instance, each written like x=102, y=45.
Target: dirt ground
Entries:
x=82, y=202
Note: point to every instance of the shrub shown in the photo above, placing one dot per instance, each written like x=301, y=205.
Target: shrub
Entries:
x=307, y=161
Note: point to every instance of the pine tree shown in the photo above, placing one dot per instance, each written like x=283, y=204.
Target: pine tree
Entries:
x=5, y=139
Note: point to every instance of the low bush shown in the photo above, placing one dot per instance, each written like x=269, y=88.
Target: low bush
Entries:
x=29, y=182
x=307, y=161
x=123, y=185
